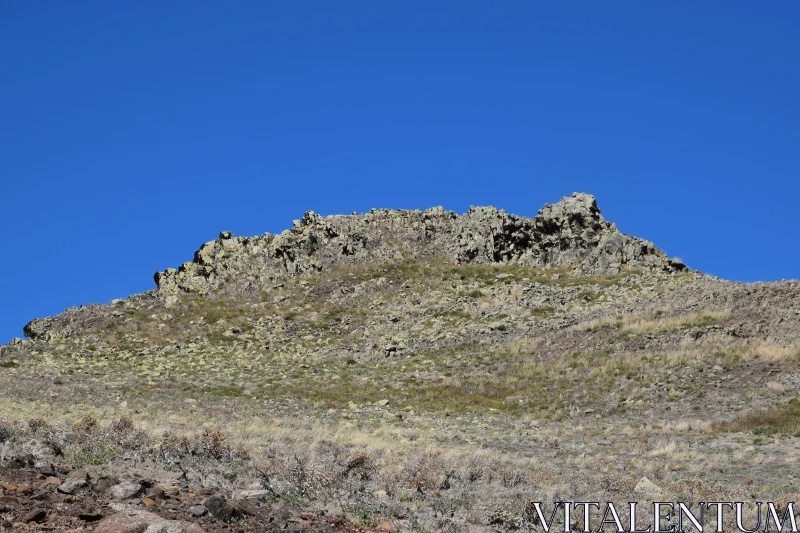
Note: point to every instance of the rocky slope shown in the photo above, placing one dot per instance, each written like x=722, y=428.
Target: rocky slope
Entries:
x=59, y=498
x=420, y=371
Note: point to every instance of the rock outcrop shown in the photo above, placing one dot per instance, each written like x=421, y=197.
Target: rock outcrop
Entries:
x=569, y=234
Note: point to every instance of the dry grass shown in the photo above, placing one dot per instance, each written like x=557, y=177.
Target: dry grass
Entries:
x=770, y=351
x=648, y=325
x=661, y=325
x=781, y=419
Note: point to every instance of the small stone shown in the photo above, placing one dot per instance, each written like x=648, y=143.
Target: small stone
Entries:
x=104, y=483
x=170, y=491
x=72, y=485
x=148, y=502
x=198, y=510
x=82, y=474
x=66, y=509
x=247, y=508
x=125, y=491
x=156, y=493
x=255, y=494
x=648, y=489
x=37, y=515
x=217, y=507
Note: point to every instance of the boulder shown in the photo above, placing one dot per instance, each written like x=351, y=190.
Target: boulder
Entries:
x=132, y=520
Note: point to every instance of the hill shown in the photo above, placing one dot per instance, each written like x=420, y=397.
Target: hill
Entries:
x=422, y=370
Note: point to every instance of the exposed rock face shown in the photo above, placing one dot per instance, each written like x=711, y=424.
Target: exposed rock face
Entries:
x=571, y=234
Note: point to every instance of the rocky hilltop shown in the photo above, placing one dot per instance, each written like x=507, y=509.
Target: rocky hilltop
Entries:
x=571, y=233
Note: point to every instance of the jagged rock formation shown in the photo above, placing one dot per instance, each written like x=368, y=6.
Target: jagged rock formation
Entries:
x=571, y=233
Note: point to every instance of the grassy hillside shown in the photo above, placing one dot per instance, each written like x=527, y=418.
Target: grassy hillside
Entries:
x=469, y=389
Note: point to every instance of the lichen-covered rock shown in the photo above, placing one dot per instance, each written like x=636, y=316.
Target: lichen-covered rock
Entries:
x=571, y=233
x=35, y=328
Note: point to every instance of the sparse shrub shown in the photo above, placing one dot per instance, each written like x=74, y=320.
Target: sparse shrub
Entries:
x=423, y=475
x=475, y=474
x=475, y=293
x=122, y=426
x=361, y=467
x=173, y=447
x=498, y=517
x=87, y=424
x=130, y=440
x=91, y=444
x=264, y=469
x=211, y=443
x=511, y=478
x=40, y=428
x=588, y=296
x=91, y=452
x=543, y=312
x=309, y=480
x=700, y=321
x=451, y=313
x=367, y=510
x=6, y=431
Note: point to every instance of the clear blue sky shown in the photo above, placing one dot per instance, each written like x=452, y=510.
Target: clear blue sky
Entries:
x=132, y=132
